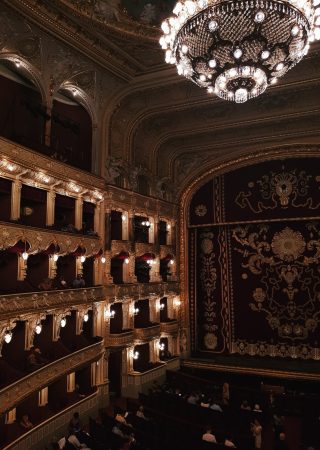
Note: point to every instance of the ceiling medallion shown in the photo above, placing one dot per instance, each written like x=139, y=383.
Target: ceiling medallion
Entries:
x=237, y=48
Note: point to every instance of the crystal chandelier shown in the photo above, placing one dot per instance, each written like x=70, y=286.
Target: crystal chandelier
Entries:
x=236, y=48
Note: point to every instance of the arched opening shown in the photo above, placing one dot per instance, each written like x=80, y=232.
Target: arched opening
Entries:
x=22, y=114
x=71, y=131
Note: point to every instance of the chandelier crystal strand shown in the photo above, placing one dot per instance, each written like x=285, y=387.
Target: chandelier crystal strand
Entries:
x=237, y=48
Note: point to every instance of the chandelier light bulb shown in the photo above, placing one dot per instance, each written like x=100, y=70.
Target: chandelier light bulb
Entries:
x=63, y=322
x=237, y=53
x=265, y=54
x=135, y=355
x=25, y=256
x=161, y=346
x=259, y=17
x=8, y=337
x=123, y=217
x=55, y=257
x=103, y=260
x=162, y=306
x=38, y=328
x=213, y=25
x=86, y=317
x=171, y=261
x=82, y=258
x=203, y=34
x=136, y=311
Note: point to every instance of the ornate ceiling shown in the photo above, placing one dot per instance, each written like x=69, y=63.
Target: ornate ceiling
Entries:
x=148, y=117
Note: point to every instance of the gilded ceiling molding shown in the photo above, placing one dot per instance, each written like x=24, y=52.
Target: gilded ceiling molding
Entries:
x=11, y=395
x=17, y=305
x=207, y=173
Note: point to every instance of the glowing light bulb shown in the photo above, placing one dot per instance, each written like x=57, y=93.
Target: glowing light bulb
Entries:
x=8, y=337
x=86, y=317
x=38, y=328
x=55, y=257
x=82, y=259
x=126, y=261
x=103, y=260
x=63, y=322
x=25, y=256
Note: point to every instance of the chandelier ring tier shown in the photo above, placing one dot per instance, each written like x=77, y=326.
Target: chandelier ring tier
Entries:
x=237, y=48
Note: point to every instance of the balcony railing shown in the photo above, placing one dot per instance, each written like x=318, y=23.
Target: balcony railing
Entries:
x=120, y=246
x=22, y=303
x=145, y=334
x=166, y=250
x=141, y=248
x=120, y=339
x=140, y=291
x=35, y=381
x=169, y=327
x=41, y=238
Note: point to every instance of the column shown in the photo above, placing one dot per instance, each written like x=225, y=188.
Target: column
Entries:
x=22, y=268
x=51, y=197
x=47, y=131
x=107, y=230
x=52, y=267
x=170, y=307
x=78, y=213
x=107, y=278
x=131, y=225
x=154, y=350
x=154, y=308
x=151, y=231
x=15, y=199
x=173, y=234
x=125, y=225
x=127, y=312
x=131, y=269
x=98, y=318
x=97, y=219
x=155, y=271
x=156, y=234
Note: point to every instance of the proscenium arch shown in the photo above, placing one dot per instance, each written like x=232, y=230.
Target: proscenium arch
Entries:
x=298, y=151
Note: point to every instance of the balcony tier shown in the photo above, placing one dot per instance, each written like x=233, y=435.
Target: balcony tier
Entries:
x=41, y=238
x=17, y=304
x=141, y=290
x=141, y=248
x=166, y=250
x=146, y=334
x=120, y=246
x=14, y=393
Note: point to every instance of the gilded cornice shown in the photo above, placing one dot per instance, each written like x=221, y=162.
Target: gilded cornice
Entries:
x=11, y=395
x=40, y=239
x=17, y=305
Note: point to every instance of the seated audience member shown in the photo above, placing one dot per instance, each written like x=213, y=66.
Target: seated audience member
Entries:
x=46, y=285
x=281, y=443
x=140, y=413
x=33, y=362
x=208, y=436
x=257, y=408
x=205, y=403
x=61, y=283
x=75, y=424
x=229, y=443
x=245, y=405
x=26, y=423
x=193, y=399
x=74, y=441
x=215, y=406
x=78, y=282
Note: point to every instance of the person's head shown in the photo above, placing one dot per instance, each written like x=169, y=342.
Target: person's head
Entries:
x=209, y=430
x=256, y=422
x=141, y=408
x=257, y=407
x=282, y=436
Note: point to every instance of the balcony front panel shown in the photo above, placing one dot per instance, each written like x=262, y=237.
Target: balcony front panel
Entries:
x=14, y=393
x=169, y=327
x=120, y=246
x=146, y=334
x=18, y=304
x=166, y=250
x=140, y=291
x=120, y=339
x=141, y=248
x=35, y=161
x=41, y=239
x=138, y=379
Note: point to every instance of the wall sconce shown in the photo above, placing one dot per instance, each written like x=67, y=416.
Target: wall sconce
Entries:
x=55, y=257
x=103, y=259
x=145, y=223
x=25, y=256
x=177, y=303
x=136, y=311
x=162, y=306
x=17, y=63
x=171, y=261
x=110, y=314
x=126, y=261
x=63, y=322
x=38, y=328
x=82, y=259
x=86, y=317
x=135, y=355
x=123, y=217
x=161, y=346
x=150, y=262
x=8, y=336
x=168, y=226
